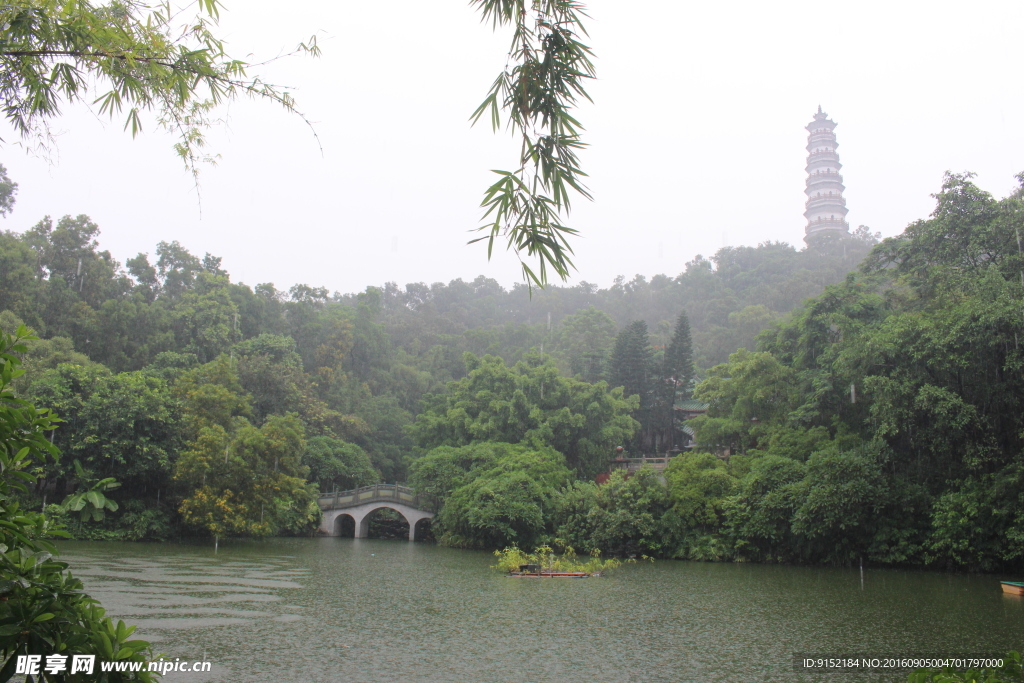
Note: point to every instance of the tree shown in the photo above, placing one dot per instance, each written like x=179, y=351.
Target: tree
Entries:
x=337, y=465
x=249, y=482
x=626, y=515
x=529, y=403
x=8, y=189
x=20, y=292
x=586, y=340
x=204, y=319
x=42, y=354
x=128, y=60
x=383, y=433
x=212, y=395
x=505, y=498
x=632, y=368
x=542, y=80
x=839, y=513
x=145, y=276
x=125, y=426
x=677, y=374
x=446, y=468
x=176, y=266
x=700, y=485
x=979, y=523
x=745, y=395
x=44, y=610
x=78, y=278
x=760, y=516
x=270, y=370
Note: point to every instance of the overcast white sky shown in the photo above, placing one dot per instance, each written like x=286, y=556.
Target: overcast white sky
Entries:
x=697, y=136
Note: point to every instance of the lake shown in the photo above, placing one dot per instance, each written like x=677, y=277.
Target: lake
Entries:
x=369, y=611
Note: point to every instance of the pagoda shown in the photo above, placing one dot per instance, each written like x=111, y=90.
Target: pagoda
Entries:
x=826, y=208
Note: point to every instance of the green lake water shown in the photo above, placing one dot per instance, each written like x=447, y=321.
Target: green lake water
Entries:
x=369, y=611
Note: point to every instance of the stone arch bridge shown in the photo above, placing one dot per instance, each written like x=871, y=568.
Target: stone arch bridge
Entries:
x=359, y=503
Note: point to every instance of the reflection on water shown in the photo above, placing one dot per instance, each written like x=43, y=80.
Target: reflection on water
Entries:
x=364, y=611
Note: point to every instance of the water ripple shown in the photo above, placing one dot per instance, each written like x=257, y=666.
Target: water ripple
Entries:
x=364, y=611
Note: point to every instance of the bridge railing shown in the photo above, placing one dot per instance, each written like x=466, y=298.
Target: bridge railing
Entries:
x=636, y=464
x=332, y=500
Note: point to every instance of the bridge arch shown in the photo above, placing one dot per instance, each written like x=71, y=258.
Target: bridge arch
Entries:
x=426, y=528
x=338, y=525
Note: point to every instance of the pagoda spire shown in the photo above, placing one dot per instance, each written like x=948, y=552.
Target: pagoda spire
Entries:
x=826, y=208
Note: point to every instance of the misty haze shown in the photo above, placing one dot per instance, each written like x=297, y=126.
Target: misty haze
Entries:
x=507, y=340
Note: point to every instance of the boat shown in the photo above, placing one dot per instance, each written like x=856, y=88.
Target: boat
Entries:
x=1013, y=587
x=537, y=572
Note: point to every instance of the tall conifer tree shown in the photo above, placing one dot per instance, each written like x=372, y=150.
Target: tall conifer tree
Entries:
x=632, y=368
x=677, y=376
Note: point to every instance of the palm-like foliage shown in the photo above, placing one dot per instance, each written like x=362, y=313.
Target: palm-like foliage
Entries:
x=91, y=501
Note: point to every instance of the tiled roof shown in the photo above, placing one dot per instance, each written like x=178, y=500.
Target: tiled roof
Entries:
x=691, y=404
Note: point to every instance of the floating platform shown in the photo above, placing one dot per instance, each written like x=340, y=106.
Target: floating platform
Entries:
x=555, y=575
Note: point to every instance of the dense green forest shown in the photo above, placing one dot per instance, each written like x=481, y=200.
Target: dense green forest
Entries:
x=874, y=418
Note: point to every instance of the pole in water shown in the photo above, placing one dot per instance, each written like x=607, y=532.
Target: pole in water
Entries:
x=216, y=543
x=862, y=573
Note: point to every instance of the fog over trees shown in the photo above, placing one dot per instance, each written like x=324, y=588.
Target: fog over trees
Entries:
x=855, y=401
x=875, y=420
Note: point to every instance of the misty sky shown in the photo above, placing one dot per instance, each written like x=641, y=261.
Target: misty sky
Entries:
x=697, y=137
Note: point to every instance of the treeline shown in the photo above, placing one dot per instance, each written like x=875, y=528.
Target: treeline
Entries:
x=222, y=407
x=729, y=298
x=55, y=278
x=882, y=423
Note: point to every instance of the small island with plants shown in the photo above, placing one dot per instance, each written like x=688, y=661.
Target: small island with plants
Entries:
x=544, y=563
